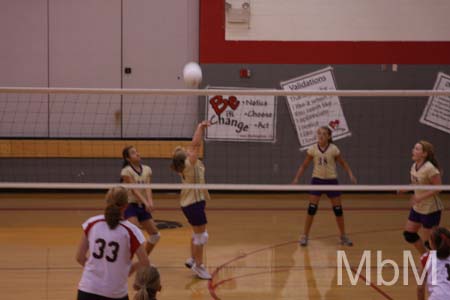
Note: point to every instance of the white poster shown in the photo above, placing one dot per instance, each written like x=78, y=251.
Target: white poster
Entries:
x=311, y=112
x=241, y=118
x=437, y=111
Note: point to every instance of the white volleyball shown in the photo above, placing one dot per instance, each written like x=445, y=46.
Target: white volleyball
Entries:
x=192, y=75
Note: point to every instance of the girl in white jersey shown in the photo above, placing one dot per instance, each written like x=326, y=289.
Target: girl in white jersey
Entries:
x=438, y=287
x=191, y=170
x=106, y=249
x=426, y=206
x=140, y=201
x=324, y=154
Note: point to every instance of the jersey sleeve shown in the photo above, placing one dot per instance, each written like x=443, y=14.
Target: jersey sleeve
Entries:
x=424, y=259
x=89, y=223
x=432, y=171
x=336, y=151
x=310, y=151
x=136, y=236
x=124, y=172
x=149, y=173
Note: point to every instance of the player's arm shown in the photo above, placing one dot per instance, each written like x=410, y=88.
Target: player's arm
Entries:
x=435, y=180
x=142, y=257
x=128, y=179
x=196, y=143
x=346, y=167
x=302, y=168
x=149, y=196
x=82, y=250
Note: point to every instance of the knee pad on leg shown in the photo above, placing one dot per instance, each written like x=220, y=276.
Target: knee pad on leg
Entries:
x=312, y=209
x=154, y=238
x=338, y=212
x=200, y=238
x=411, y=237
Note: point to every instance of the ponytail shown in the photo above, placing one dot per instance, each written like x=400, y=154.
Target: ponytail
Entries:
x=429, y=149
x=178, y=160
x=441, y=241
x=126, y=155
x=147, y=283
x=116, y=200
x=113, y=215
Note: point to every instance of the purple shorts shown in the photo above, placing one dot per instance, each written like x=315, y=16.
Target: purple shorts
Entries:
x=330, y=194
x=138, y=211
x=427, y=221
x=195, y=213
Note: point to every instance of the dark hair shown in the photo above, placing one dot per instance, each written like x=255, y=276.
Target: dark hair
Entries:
x=429, y=149
x=441, y=240
x=116, y=200
x=178, y=160
x=330, y=133
x=147, y=283
x=126, y=155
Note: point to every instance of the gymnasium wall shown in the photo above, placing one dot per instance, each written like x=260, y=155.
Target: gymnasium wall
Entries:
x=383, y=131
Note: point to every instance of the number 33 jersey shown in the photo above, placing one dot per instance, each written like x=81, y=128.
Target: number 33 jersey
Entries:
x=110, y=253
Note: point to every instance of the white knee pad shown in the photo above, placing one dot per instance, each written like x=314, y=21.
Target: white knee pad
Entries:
x=154, y=238
x=200, y=238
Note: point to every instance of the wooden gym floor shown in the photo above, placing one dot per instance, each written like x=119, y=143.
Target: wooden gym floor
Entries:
x=252, y=250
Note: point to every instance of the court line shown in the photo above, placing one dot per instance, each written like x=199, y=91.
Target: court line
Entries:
x=212, y=287
x=363, y=278
x=222, y=209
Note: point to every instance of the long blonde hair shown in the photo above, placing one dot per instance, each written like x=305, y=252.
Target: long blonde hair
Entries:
x=147, y=283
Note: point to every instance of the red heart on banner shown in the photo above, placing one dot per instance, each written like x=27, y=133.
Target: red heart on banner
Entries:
x=233, y=102
x=218, y=104
x=334, y=124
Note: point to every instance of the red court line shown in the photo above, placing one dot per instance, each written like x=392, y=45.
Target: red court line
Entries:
x=363, y=278
x=212, y=287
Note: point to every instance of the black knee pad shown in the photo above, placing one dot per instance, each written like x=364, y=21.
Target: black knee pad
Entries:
x=338, y=212
x=312, y=209
x=411, y=237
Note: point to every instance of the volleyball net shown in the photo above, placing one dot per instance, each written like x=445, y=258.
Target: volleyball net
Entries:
x=66, y=138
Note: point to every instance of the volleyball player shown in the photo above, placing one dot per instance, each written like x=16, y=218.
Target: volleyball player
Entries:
x=439, y=286
x=426, y=206
x=106, y=250
x=324, y=154
x=140, y=201
x=191, y=170
x=147, y=283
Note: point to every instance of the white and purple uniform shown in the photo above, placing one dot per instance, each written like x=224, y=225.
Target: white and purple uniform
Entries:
x=440, y=289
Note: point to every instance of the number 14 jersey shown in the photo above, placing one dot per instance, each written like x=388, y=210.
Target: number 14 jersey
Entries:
x=110, y=253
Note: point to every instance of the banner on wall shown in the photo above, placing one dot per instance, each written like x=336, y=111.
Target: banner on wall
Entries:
x=311, y=112
x=241, y=118
x=437, y=111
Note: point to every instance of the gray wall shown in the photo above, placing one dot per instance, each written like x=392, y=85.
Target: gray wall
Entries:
x=384, y=131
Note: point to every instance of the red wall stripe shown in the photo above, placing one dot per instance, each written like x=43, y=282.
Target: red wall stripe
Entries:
x=215, y=49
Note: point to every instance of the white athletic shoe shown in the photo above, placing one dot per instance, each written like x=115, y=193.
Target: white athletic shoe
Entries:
x=346, y=241
x=201, y=272
x=303, y=241
x=189, y=263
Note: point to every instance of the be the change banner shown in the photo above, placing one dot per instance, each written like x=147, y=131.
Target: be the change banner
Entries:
x=437, y=110
x=241, y=118
x=311, y=112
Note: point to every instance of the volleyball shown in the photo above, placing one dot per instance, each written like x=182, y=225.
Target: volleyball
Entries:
x=192, y=74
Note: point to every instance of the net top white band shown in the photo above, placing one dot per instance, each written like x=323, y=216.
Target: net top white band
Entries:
x=225, y=187
x=213, y=92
